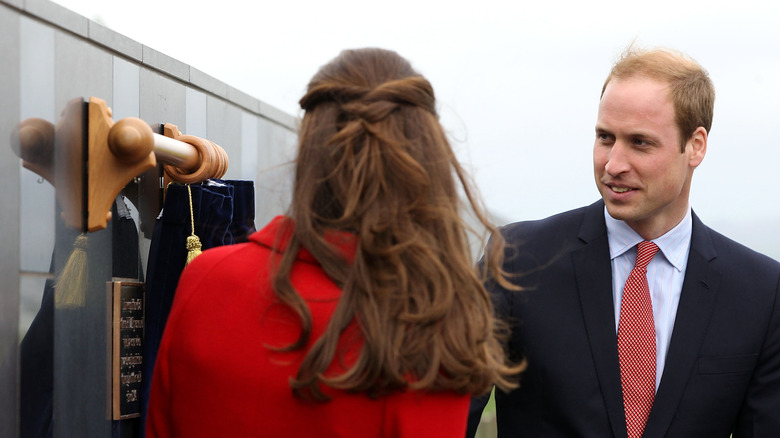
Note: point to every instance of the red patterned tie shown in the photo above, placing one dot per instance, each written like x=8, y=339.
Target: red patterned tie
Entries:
x=636, y=343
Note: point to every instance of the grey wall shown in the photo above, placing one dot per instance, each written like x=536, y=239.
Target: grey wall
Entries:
x=50, y=56
x=9, y=224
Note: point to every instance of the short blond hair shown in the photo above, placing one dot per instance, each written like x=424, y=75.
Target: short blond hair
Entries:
x=692, y=92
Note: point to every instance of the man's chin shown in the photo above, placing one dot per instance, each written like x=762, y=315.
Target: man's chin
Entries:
x=619, y=212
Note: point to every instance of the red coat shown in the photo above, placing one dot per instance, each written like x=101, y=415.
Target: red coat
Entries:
x=216, y=377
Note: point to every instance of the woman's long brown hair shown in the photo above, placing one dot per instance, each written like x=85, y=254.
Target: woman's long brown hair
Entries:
x=373, y=160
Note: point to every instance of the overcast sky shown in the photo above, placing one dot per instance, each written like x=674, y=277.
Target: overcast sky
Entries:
x=517, y=82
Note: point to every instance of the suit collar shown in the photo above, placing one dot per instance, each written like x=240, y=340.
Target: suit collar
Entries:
x=593, y=226
x=697, y=301
x=701, y=240
x=594, y=283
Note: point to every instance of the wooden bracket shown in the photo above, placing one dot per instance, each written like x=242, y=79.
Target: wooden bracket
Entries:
x=113, y=162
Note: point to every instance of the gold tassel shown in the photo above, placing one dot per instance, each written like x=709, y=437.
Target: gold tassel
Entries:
x=193, y=248
x=71, y=286
x=193, y=242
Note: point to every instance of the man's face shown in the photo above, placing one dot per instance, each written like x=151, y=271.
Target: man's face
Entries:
x=643, y=177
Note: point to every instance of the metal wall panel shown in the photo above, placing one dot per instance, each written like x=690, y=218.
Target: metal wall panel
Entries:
x=273, y=181
x=126, y=89
x=9, y=223
x=249, y=146
x=163, y=100
x=82, y=70
x=224, y=129
x=197, y=114
x=36, y=68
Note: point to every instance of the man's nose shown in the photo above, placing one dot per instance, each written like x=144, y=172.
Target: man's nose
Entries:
x=617, y=160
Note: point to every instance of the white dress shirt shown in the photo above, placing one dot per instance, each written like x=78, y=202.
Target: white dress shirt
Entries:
x=665, y=275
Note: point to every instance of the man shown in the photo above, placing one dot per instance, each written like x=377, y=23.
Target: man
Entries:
x=689, y=349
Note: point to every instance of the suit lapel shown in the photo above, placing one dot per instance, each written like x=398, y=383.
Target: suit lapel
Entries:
x=690, y=326
x=594, y=284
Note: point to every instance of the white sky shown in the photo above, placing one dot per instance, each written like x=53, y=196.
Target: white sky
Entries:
x=517, y=82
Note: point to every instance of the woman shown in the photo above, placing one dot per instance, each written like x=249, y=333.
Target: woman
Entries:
x=359, y=314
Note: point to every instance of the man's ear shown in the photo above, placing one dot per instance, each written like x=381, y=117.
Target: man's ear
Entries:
x=698, y=145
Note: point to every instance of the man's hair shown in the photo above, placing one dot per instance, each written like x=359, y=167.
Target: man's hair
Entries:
x=374, y=161
x=691, y=90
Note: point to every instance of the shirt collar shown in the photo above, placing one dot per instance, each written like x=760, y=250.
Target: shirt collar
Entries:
x=673, y=244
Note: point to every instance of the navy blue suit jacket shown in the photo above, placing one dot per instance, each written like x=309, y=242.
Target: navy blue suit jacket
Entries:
x=722, y=372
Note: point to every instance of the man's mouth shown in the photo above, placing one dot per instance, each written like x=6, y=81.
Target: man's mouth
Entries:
x=620, y=189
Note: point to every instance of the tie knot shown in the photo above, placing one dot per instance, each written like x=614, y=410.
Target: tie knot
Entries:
x=645, y=252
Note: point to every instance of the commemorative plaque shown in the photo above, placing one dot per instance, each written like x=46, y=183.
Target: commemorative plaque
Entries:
x=128, y=335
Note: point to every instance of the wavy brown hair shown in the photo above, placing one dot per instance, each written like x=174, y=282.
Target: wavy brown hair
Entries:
x=374, y=161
